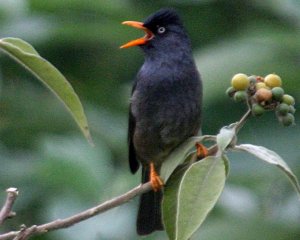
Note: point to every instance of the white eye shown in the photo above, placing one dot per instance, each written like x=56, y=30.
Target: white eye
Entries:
x=161, y=30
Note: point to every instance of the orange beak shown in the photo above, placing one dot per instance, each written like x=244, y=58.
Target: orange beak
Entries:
x=140, y=41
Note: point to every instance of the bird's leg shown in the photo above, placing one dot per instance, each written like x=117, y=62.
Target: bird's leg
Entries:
x=202, y=151
x=155, y=180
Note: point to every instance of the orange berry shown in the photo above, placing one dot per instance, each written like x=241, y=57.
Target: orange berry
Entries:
x=263, y=94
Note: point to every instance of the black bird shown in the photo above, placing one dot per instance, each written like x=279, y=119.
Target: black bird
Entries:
x=165, y=106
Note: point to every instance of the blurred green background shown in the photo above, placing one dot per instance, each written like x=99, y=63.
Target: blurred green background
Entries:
x=44, y=155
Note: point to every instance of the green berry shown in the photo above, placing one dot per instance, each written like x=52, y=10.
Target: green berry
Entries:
x=252, y=79
x=257, y=110
x=288, y=99
x=230, y=91
x=272, y=80
x=288, y=120
x=283, y=109
x=292, y=109
x=277, y=93
x=240, y=81
x=240, y=96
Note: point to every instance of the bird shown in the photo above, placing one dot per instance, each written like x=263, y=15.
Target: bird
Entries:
x=165, y=106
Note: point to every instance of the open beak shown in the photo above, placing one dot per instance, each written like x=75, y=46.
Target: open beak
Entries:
x=140, y=41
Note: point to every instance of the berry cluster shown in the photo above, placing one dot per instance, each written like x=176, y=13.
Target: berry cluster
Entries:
x=263, y=94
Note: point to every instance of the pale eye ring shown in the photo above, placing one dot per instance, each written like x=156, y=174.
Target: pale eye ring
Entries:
x=161, y=30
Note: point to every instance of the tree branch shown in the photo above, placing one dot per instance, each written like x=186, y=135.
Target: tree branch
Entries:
x=6, y=210
x=25, y=233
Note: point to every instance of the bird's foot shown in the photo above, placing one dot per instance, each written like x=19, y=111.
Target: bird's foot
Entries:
x=202, y=151
x=155, y=179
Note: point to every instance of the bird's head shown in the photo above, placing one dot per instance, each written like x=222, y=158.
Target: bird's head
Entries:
x=164, y=32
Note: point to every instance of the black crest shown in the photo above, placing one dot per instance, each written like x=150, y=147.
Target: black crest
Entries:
x=165, y=16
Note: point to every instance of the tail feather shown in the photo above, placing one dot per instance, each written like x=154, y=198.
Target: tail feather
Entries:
x=149, y=214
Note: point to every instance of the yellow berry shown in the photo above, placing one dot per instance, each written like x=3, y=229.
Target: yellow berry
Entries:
x=260, y=85
x=263, y=94
x=240, y=81
x=288, y=99
x=273, y=80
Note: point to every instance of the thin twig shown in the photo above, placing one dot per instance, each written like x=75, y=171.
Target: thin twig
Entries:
x=242, y=121
x=64, y=223
x=6, y=210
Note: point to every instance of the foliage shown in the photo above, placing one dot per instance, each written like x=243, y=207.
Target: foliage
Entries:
x=28, y=57
x=193, y=189
x=43, y=155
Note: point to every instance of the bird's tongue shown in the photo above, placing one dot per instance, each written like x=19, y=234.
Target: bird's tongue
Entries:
x=140, y=41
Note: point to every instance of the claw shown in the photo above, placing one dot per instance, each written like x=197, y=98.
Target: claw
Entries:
x=155, y=180
x=202, y=151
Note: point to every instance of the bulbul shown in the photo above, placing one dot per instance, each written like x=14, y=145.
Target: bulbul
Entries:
x=165, y=105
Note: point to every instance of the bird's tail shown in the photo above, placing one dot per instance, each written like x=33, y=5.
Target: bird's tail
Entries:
x=149, y=215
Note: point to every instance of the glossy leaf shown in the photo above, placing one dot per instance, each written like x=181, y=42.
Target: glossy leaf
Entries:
x=225, y=137
x=177, y=157
x=273, y=158
x=190, y=194
x=28, y=57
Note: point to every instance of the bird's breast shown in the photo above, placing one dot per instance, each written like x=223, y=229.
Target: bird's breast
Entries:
x=167, y=111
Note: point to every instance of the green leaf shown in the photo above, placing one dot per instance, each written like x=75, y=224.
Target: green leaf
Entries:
x=226, y=164
x=177, y=157
x=22, y=45
x=226, y=136
x=190, y=194
x=273, y=158
x=28, y=57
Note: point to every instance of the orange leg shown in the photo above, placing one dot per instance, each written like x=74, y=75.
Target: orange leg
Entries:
x=155, y=180
x=202, y=151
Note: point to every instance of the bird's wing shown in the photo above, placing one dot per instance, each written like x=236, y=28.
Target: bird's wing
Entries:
x=133, y=162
